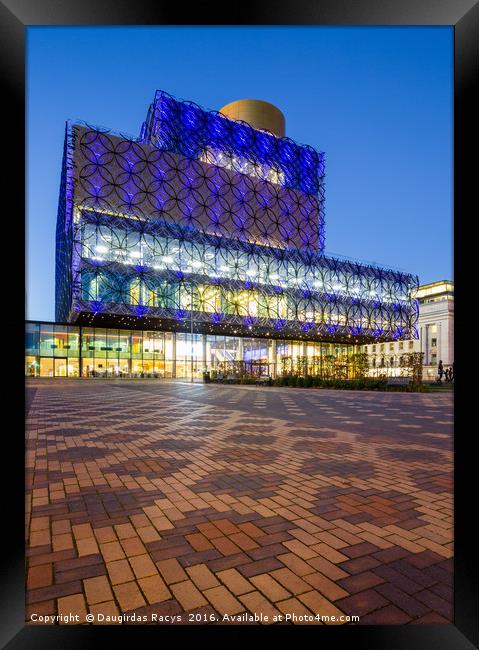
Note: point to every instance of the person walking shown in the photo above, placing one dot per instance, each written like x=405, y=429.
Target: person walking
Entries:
x=440, y=372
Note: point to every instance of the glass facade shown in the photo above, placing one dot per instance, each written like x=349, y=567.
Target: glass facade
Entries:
x=58, y=350
x=52, y=350
x=102, y=245
x=208, y=220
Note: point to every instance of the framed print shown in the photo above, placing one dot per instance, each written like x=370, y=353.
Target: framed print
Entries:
x=234, y=421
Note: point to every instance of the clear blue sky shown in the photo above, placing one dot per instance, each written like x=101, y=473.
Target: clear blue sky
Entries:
x=378, y=101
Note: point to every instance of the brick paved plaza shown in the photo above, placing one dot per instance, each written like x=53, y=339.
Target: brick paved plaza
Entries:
x=170, y=498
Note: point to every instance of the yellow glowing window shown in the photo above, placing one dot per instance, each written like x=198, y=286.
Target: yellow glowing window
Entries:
x=243, y=303
x=208, y=299
x=136, y=345
x=135, y=294
x=282, y=307
x=152, y=298
x=60, y=341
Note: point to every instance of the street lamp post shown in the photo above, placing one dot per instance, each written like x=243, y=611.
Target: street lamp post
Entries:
x=191, y=319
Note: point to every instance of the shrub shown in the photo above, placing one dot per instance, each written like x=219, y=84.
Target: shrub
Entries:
x=360, y=383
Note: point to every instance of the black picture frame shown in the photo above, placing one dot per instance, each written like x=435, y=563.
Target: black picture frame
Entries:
x=15, y=16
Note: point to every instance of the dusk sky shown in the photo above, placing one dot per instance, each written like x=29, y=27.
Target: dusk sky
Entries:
x=378, y=101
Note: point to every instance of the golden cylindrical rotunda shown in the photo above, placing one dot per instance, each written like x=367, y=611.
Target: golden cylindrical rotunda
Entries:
x=258, y=113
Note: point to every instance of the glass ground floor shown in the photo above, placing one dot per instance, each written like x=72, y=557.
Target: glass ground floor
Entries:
x=57, y=350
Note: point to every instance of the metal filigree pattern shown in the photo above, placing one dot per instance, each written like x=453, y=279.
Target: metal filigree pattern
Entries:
x=210, y=222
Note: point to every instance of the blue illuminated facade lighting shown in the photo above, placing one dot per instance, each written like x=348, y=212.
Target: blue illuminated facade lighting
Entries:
x=206, y=224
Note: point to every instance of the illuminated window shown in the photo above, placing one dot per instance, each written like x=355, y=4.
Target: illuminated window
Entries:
x=243, y=166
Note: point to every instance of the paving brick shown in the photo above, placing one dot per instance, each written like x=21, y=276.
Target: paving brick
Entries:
x=129, y=596
x=87, y=546
x=416, y=575
x=329, y=553
x=251, y=530
x=105, y=534
x=269, y=587
x=143, y=566
x=148, y=534
x=256, y=603
x=112, y=551
x=40, y=576
x=61, y=526
x=327, y=568
x=106, y=609
x=268, y=540
x=82, y=531
x=209, y=530
x=171, y=571
x=228, y=562
x=436, y=603
x=321, y=606
x=188, y=595
x=61, y=542
x=119, y=571
x=360, y=582
x=225, y=545
x=360, y=564
x=133, y=546
x=291, y=581
x=296, y=564
x=223, y=601
x=53, y=591
x=266, y=552
x=199, y=542
x=424, y=559
x=362, y=603
x=226, y=526
x=97, y=590
x=200, y=557
x=413, y=547
x=243, y=541
x=235, y=582
x=260, y=566
x=391, y=554
x=125, y=531
x=398, y=579
x=40, y=523
x=413, y=607
x=154, y=589
x=294, y=607
x=325, y=586
x=444, y=591
x=202, y=577
x=300, y=549
x=45, y=608
x=358, y=550
x=73, y=605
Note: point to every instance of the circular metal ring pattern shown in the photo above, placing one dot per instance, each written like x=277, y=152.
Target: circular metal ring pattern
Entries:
x=220, y=220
